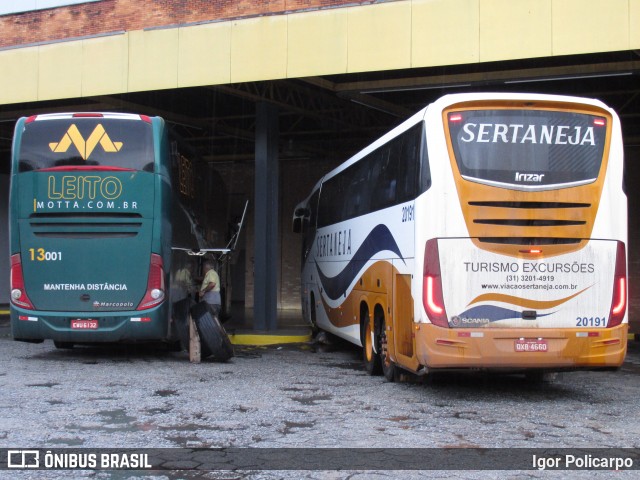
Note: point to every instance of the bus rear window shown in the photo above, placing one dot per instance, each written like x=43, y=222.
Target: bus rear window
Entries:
x=527, y=149
x=93, y=141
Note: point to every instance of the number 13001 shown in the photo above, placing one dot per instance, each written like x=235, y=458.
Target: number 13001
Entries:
x=41, y=255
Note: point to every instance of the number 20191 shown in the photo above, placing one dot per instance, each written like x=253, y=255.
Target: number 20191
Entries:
x=591, y=322
x=407, y=213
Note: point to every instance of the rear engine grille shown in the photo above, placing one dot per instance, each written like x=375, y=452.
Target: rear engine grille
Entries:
x=530, y=240
x=530, y=205
x=90, y=226
x=529, y=222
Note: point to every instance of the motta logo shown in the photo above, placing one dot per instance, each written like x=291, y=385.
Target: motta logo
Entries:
x=85, y=147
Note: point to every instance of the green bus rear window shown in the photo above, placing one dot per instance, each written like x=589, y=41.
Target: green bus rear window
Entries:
x=73, y=142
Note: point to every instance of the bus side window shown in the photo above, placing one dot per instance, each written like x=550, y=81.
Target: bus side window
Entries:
x=330, y=207
x=409, y=164
x=382, y=189
x=423, y=158
x=359, y=190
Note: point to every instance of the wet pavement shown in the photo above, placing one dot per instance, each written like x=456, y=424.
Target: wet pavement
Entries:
x=311, y=396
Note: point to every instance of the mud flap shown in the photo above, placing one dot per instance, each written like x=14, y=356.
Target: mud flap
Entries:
x=214, y=340
x=180, y=313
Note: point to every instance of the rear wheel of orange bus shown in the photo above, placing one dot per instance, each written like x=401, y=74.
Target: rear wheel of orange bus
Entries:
x=370, y=355
x=389, y=370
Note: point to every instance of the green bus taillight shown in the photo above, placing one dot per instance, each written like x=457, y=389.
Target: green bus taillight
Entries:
x=18, y=293
x=155, y=284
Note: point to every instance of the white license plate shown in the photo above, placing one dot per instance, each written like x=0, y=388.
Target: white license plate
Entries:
x=531, y=345
x=84, y=324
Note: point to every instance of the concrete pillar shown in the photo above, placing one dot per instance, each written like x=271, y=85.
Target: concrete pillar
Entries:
x=266, y=242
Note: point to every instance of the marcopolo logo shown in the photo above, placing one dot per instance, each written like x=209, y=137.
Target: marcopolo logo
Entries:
x=85, y=147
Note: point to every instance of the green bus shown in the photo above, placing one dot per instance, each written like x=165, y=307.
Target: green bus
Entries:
x=98, y=203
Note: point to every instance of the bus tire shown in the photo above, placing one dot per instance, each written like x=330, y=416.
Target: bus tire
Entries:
x=214, y=341
x=63, y=345
x=312, y=311
x=371, y=358
x=389, y=369
x=181, y=311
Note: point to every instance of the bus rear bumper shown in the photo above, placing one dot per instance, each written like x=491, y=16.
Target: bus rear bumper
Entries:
x=85, y=327
x=504, y=349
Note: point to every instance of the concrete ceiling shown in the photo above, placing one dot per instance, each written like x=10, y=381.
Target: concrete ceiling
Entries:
x=331, y=117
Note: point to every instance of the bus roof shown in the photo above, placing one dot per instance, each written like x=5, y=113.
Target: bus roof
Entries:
x=69, y=115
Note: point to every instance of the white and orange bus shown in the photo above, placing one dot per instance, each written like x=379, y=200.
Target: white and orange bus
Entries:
x=487, y=231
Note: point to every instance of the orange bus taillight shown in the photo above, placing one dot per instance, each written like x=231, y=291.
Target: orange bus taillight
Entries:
x=432, y=298
x=18, y=293
x=619, y=298
x=155, y=284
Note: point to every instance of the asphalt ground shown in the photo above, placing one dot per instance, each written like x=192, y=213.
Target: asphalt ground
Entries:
x=298, y=396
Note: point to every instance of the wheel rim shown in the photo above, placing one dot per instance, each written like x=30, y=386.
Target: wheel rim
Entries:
x=368, y=347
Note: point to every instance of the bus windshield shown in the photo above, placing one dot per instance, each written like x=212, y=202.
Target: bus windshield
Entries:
x=527, y=148
x=91, y=141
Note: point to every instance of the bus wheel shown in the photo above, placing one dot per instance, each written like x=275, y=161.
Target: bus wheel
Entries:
x=312, y=311
x=214, y=341
x=63, y=345
x=372, y=363
x=181, y=312
x=389, y=370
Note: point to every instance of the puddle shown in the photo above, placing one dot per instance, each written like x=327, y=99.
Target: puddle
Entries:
x=116, y=417
x=289, y=427
x=165, y=393
x=311, y=400
x=401, y=418
x=465, y=415
x=67, y=442
x=83, y=428
x=299, y=389
x=158, y=411
x=190, y=427
x=188, y=442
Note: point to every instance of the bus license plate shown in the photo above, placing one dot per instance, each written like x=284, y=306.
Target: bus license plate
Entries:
x=86, y=324
x=531, y=345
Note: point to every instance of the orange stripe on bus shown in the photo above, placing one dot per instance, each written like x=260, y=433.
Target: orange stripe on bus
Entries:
x=524, y=302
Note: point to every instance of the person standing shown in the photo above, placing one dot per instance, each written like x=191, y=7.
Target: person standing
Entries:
x=210, y=288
